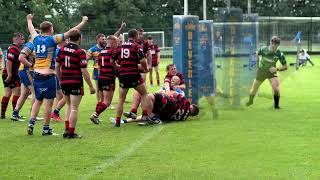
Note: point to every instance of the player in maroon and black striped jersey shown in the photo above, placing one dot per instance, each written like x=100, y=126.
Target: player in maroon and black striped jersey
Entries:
x=146, y=48
x=71, y=65
x=172, y=71
x=106, y=81
x=10, y=75
x=147, y=53
x=168, y=107
x=155, y=53
x=130, y=58
x=171, y=108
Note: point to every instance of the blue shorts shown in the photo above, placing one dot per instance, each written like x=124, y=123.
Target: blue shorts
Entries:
x=44, y=86
x=95, y=74
x=58, y=84
x=25, y=78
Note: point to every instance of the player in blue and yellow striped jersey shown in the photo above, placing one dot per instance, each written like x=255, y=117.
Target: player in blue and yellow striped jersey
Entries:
x=44, y=79
x=93, y=53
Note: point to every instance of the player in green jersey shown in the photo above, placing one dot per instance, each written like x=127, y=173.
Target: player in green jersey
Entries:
x=267, y=58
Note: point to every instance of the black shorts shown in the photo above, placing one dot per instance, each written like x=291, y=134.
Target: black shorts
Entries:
x=154, y=63
x=157, y=103
x=15, y=81
x=130, y=81
x=264, y=74
x=73, y=89
x=106, y=85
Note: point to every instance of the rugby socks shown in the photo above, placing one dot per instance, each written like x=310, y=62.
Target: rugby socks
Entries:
x=46, y=128
x=67, y=125
x=100, y=107
x=71, y=131
x=144, y=112
x=118, y=121
x=15, y=113
x=134, y=110
x=32, y=122
x=158, y=82
x=56, y=111
x=4, y=105
x=276, y=101
x=14, y=101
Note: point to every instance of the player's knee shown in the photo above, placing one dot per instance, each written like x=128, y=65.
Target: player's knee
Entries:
x=277, y=92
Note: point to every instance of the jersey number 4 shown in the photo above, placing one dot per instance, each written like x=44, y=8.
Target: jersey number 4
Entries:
x=125, y=53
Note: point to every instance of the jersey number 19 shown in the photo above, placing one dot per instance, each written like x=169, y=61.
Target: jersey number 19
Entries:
x=125, y=53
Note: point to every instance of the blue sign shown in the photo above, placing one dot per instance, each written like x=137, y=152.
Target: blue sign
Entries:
x=185, y=52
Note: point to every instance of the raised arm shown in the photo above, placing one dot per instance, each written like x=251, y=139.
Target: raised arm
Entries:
x=30, y=25
x=79, y=27
x=121, y=29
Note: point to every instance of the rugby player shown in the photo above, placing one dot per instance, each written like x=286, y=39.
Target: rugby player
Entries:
x=44, y=79
x=304, y=57
x=26, y=59
x=60, y=101
x=128, y=56
x=10, y=74
x=147, y=53
x=71, y=65
x=106, y=77
x=171, y=72
x=267, y=69
x=167, y=108
x=155, y=52
x=93, y=53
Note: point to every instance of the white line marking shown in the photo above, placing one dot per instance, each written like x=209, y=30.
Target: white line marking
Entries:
x=125, y=153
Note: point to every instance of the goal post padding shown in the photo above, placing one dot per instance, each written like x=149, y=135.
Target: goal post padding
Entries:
x=236, y=45
x=206, y=59
x=186, y=52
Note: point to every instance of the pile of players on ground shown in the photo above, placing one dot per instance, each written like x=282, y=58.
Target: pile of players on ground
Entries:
x=54, y=66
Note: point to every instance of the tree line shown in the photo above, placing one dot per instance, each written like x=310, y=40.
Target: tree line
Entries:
x=106, y=15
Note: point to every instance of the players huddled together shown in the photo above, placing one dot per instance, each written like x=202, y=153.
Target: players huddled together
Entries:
x=53, y=66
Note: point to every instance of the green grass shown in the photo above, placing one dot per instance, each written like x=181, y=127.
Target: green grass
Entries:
x=246, y=143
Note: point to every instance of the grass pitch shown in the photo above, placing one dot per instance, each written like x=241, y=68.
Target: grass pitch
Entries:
x=246, y=143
